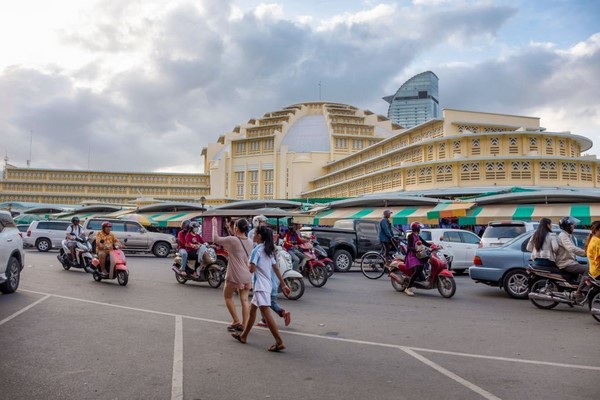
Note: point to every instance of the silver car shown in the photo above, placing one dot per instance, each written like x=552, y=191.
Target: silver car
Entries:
x=12, y=257
x=46, y=235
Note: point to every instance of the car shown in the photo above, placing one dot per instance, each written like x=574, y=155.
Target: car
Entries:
x=499, y=232
x=506, y=266
x=46, y=235
x=139, y=239
x=12, y=258
x=461, y=244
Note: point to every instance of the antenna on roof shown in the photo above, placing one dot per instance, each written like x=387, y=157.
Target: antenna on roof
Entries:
x=319, y=90
x=30, y=145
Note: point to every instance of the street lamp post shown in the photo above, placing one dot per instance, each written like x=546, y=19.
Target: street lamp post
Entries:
x=202, y=202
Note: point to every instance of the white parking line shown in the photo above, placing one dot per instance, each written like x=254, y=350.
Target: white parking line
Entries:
x=484, y=393
x=22, y=310
x=337, y=339
x=177, y=383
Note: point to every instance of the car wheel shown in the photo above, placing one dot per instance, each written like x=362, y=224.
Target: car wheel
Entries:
x=13, y=276
x=43, y=245
x=516, y=284
x=161, y=250
x=342, y=260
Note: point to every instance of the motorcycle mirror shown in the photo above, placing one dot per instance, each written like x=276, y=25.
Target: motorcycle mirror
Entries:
x=125, y=241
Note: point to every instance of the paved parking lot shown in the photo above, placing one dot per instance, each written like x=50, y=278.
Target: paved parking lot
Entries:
x=66, y=336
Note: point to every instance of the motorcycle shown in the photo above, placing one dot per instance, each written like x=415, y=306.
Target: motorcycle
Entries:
x=211, y=270
x=550, y=286
x=116, y=265
x=323, y=257
x=313, y=269
x=292, y=278
x=83, y=254
x=435, y=270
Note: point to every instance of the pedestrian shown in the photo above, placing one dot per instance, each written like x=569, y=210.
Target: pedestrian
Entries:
x=262, y=262
x=592, y=248
x=238, y=277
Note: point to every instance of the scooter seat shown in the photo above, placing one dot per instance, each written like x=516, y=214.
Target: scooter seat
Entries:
x=569, y=276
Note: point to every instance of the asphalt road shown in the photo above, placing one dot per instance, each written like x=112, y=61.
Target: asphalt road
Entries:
x=64, y=336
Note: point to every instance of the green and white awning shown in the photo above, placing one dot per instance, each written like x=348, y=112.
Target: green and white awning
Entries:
x=586, y=213
x=400, y=216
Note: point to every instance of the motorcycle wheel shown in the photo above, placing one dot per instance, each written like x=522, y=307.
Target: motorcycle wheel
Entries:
x=97, y=277
x=595, y=303
x=317, y=276
x=330, y=268
x=400, y=287
x=372, y=265
x=214, y=276
x=123, y=277
x=180, y=278
x=543, y=286
x=297, y=288
x=446, y=286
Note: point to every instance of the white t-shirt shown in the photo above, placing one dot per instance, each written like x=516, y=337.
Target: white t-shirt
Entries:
x=71, y=230
x=264, y=268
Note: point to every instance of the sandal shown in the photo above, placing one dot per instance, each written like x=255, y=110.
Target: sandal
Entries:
x=235, y=328
x=276, y=348
x=238, y=337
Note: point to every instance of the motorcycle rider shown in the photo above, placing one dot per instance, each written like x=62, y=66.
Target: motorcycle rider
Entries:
x=73, y=232
x=105, y=243
x=291, y=241
x=386, y=235
x=259, y=220
x=543, y=245
x=565, y=257
x=185, y=228
x=195, y=247
x=414, y=240
x=592, y=248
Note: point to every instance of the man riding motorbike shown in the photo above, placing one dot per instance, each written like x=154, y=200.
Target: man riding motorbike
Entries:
x=73, y=232
x=291, y=241
x=105, y=243
x=565, y=257
x=185, y=228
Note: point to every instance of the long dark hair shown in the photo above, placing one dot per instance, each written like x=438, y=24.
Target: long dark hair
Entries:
x=593, y=229
x=242, y=226
x=266, y=234
x=539, y=236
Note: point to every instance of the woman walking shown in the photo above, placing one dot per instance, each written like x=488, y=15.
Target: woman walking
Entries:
x=238, y=277
x=543, y=245
x=262, y=264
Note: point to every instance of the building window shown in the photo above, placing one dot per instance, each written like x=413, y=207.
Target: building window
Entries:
x=253, y=176
x=425, y=175
x=268, y=188
x=475, y=147
x=357, y=144
x=513, y=147
x=549, y=149
x=494, y=146
x=240, y=148
x=456, y=147
x=442, y=150
x=468, y=129
x=548, y=170
x=520, y=170
x=562, y=148
x=533, y=146
x=411, y=176
x=430, y=152
x=495, y=170
x=268, y=174
x=569, y=171
x=239, y=176
x=586, y=172
x=254, y=147
x=469, y=172
x=341, y=143
x=268, y=144
x=443, y=173
x=253, y=189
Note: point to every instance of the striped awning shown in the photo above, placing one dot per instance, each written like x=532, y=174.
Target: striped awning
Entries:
x=450, y=210
x=586, y=213
x=172, y=219
x=400, y=216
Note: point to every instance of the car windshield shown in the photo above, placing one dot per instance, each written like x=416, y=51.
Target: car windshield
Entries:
x=503, y=231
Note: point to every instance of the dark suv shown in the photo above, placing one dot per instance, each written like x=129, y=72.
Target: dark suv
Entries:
x=139, y=239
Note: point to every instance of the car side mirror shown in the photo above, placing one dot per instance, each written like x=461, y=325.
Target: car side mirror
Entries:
x=143, y=230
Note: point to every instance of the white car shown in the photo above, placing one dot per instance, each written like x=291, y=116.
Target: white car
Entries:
x=46, y=235
x=499, y=232
x=12, y=257
x=461, y=244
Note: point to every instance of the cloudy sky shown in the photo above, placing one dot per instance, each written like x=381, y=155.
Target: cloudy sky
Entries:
x=146, y=84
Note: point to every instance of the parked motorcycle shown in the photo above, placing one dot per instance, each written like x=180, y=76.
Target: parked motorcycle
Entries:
x=313, y=269
x=116, y=264
x=83, y=254
x=550, y=286
x=436, y=273
x=292, y=278
x=210, y=270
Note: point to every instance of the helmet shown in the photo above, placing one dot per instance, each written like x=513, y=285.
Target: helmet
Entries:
x=258, y=219
x=186, y=224
x=75, y=219
x=195, y=225
x=566, y=222
x=106, y=224
x=416, y=226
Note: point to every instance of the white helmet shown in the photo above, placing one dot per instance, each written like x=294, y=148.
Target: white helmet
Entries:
x=258, y=219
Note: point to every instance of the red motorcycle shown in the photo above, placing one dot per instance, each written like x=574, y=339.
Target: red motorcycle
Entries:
x=435, y=271
x=314, y=269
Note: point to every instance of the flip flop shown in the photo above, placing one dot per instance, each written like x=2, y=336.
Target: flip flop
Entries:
x=235, y=328
x=276, y=348
x=238, y=337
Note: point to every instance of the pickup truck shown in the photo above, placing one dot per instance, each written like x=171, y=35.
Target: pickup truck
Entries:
x=348, y=240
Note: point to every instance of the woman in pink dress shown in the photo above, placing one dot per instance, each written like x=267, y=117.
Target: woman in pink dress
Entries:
x=238, y=277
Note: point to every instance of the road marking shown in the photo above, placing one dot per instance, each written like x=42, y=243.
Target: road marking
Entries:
x=338, y=339
x=177, y=383
x=484, y=393
x=22, y=310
